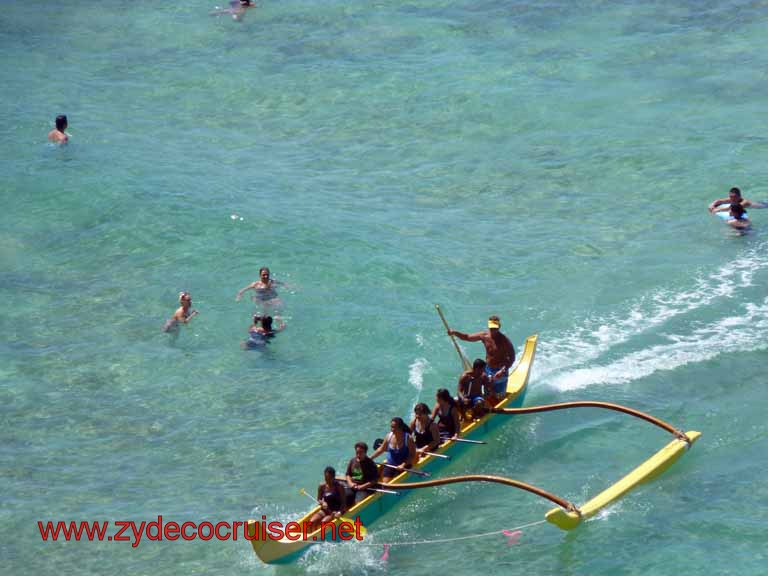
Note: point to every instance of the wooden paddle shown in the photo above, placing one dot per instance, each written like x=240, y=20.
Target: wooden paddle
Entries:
x=464, y=362
x=371, y=489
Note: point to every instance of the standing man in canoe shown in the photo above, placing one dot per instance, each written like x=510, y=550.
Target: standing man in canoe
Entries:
x=499, y=353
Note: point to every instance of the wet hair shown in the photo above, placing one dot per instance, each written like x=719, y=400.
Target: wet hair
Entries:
x=738, y=211
x=61, y=122
x=183, y=296
x=330, y=470
x=256, y=318
x=362, y=445
x=736, y=191
x=478, y=363
x=400, y=424
x=421, y=407
x=266, y=323
x=263, y=269
x=443, y=394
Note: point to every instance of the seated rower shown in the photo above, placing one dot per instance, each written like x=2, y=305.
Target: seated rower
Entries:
x=425, y=432
x=738, y=217
x=332, y=498
x=400, y=449
x=445, y=409
x=361, y=474
x=474, y=386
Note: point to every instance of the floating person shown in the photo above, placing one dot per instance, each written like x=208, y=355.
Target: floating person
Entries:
x=262, y=330
x=183, y=314
x=426, y=435
x=738, y=218
x=734, y=197
x=499, y=353
x=263, y=289
x=400, y=449
x=58, y=135
x=362, y=474
x=332, y=499
x=236, y=8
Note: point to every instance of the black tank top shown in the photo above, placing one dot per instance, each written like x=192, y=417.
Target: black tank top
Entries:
x=446, y=425
x=332, y=498
x=422, y=438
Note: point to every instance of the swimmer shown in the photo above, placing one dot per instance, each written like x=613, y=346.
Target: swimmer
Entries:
x=734, y=197
x=263, y=288
x=183, y=314
x=58, y=134
x=262, y=330
x=738, y=219
x=236, y=7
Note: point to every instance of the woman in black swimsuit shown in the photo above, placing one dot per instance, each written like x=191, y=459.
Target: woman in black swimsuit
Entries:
x=425, y=432
x=332, y=498
x=445, y=409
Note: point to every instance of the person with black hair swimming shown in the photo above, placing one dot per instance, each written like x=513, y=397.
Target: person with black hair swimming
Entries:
x=738, y=218
x=734, y=197
x=400, y=448
x=58, y=135
x=236, y=8
x=262, y=330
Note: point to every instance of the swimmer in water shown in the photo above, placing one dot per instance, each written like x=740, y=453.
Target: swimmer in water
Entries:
x=738, y=219
x=183, y=314
x=236, y=7
x=58, y=135
x=262, y=330
x=263, y=288
x=734, y=197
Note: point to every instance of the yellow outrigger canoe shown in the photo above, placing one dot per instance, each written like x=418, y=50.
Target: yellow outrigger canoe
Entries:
x=566, y=516
x=377, y=504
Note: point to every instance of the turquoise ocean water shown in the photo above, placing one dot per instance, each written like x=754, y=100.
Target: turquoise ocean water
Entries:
x=550, y=162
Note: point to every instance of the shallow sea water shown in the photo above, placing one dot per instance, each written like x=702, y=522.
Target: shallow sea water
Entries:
x=550, y=163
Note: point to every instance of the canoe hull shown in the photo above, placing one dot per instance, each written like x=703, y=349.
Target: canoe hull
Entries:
x=376, y=505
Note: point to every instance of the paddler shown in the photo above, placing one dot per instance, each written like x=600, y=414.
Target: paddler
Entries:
x=447, y=415
x=332, y=499
x=361, y=474
x=400, y=449
x=426, y=435
x=499, y=353
x=474, y=386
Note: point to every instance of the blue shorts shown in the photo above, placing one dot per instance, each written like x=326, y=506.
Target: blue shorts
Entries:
x=500, y=385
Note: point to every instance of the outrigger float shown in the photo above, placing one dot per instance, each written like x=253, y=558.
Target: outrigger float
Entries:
x=565, y=516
